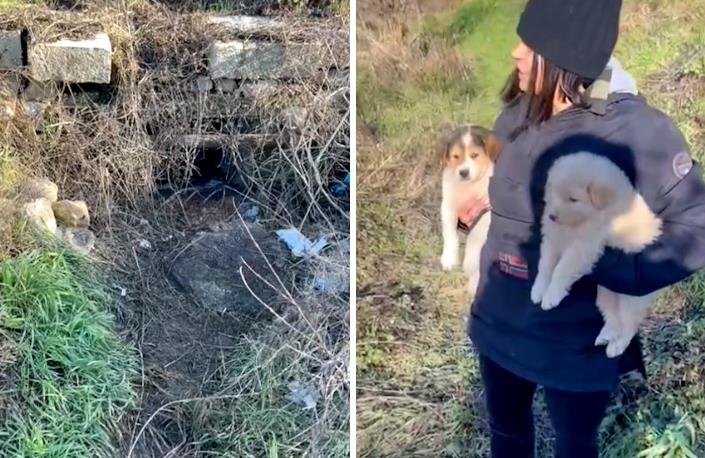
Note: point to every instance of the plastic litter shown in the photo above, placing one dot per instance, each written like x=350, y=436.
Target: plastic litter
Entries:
x=251, y=213
x=306, y=395
x=339, y=189
x=299, y=244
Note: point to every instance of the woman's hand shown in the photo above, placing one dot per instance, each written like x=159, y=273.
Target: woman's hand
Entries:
x=470, y=210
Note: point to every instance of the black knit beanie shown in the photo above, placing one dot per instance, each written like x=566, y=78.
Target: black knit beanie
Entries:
x=576, y=35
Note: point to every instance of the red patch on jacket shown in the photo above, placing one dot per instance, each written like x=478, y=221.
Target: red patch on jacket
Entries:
x=511, y=265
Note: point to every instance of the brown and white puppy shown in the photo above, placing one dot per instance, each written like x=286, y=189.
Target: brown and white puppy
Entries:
x=469, y=156
x=591, y=204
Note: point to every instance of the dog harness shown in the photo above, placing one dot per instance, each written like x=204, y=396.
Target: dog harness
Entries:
x=465, y=229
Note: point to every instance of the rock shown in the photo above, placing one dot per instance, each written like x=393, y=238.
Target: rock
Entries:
x=72, y=61
x=72, y=213
x=10, y=84
x=40, y=215
x=40, y=188
x=258, y=59
x=226, y=85
x=35, y=110
x=248, y=25
x=209, y=269
x=250, y=212
x=37, y=91
x=260, y=90
x=202, y=84
x=240, y=59
x=305, y=60
x=10, y=49
x=78, y=238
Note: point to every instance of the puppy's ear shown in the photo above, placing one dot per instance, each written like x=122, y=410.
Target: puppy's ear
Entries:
x=445, y=132
x=493, y=146
x=600, y=195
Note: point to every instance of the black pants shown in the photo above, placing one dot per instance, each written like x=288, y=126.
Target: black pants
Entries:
x=576, y=417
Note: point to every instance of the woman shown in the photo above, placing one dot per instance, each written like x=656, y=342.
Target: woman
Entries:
x=558, y=102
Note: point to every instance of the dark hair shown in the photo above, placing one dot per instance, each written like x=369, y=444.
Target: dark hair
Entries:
x=539, y=104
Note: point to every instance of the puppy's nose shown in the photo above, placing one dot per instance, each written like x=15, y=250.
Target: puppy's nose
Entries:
x=464, y=173
x=552, y=217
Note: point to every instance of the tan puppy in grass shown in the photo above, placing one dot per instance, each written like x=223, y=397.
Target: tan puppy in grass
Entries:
x=591, y=204
x=468, y=159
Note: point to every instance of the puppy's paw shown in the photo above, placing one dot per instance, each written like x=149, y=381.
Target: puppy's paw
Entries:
x=552, y=298
x=450, y=259
x=538, y=290
x=616, y=347
x=473, y=283
x=605, y=336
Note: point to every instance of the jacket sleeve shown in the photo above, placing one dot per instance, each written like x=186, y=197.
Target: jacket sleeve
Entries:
x=679, y=200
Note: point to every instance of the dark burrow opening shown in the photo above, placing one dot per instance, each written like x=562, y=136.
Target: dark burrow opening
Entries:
x=213, y=175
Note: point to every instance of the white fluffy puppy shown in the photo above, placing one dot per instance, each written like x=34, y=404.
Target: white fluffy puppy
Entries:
x=591, y=204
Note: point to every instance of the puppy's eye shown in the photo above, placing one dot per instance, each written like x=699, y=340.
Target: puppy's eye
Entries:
x=474, y=155
x=572, y=200
x=456, y=156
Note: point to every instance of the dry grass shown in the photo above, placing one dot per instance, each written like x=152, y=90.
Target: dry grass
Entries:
x=113, y=149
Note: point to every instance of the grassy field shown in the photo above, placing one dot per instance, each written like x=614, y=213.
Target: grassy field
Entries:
x=422, y=66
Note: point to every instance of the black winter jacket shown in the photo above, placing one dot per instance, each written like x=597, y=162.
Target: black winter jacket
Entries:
x=555, y=348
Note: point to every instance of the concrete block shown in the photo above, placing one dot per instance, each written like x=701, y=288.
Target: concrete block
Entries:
x=72, y=61
x=10, y=49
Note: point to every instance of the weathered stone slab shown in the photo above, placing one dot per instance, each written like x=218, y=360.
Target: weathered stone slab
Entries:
x=10, y=49
x=257, y=59
x=240, y=59
x=72, y=61
x=248, y=24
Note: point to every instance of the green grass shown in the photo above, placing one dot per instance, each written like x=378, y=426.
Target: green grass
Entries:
x=11, y=3
x=418, y=392
x=71, y=373
x=262, y=420
x=483, y=33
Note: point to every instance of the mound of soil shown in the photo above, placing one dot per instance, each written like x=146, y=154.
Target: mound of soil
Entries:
x=230, y=270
